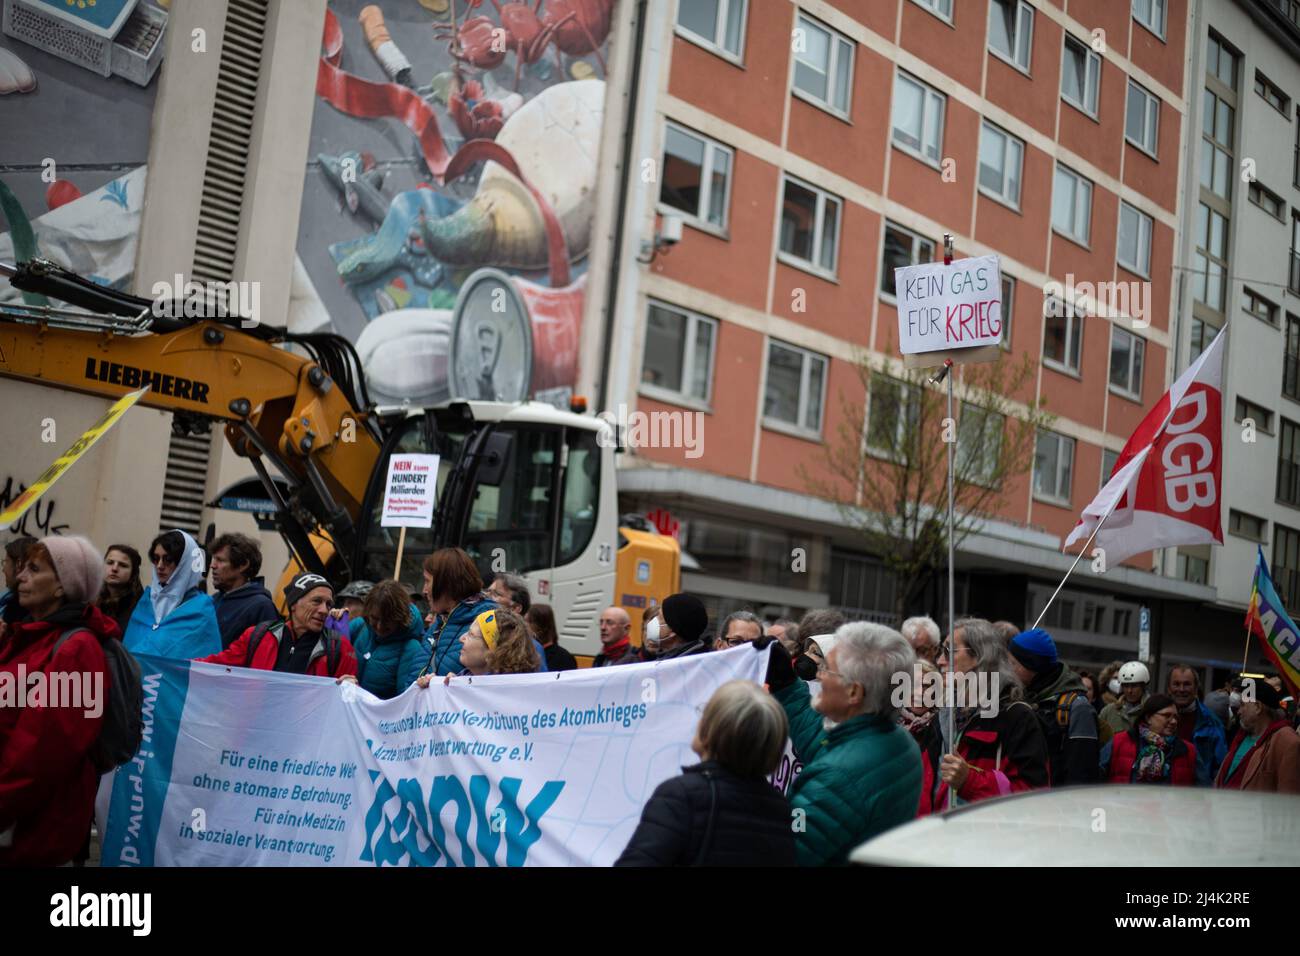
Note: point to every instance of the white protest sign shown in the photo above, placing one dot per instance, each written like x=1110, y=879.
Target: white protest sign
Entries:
x=410, y=492
x=949, y=307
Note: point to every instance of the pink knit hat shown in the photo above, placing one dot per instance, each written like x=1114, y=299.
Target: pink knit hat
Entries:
x=78, y=565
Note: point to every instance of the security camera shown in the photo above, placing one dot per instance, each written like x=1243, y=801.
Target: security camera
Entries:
x=670, y=231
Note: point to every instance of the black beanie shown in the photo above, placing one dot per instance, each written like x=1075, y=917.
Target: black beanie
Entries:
x=301, y=585
x=685, y=614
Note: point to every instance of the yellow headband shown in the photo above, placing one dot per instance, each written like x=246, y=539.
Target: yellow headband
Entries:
x=487, y=624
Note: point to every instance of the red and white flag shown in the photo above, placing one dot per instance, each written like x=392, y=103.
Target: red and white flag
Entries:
x=1167, y=485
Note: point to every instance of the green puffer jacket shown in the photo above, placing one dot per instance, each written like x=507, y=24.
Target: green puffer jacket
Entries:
x=859, y=779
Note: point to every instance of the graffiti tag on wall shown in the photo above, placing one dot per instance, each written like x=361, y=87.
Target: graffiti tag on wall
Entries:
x=39, y=519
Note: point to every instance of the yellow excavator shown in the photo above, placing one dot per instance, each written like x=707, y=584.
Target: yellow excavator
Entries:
x=523, y=486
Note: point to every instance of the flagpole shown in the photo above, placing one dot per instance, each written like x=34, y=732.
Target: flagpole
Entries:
x=1077, y=559
x=946, y=372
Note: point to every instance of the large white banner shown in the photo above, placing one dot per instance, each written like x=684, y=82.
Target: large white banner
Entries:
x=250, y=768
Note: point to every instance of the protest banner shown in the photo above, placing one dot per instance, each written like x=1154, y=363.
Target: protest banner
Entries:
x=950, y=310
x=251, y=768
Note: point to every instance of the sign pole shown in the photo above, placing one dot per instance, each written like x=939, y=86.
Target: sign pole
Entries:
x=952, y=588
x=401, y=545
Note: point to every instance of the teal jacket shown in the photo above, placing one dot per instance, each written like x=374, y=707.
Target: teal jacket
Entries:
x=859, y=779
x=386, y=666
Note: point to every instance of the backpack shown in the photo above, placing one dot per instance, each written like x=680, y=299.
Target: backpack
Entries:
x=1055, y=721
x=333, y=644
x=123, y=727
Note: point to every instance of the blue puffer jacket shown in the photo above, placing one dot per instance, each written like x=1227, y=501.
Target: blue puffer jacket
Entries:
x=447, y=637
x=188, y=632
x=386, y=666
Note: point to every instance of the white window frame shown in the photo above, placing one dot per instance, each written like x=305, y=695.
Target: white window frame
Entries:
x=1083, y=209
x=693, y=321
x=1136, y=357
x=907, y=400
x=916, y=237
x=1155, y=29
x=837, y=46
x=1146, y=225
x=1285, y=101
x=980, y=477
x=933, y=7
x=1262, y=416
x=1091, y=76
x=719, y=29
x=711, y=148
x=1073, y=329
x=1024, y=21
x=805, y=374
x=930, y=99
x=1263, y=533
x=1248, y=293
x=1007, y=141
x=1150, y=119
x=819, y=220
x=1257, y=189
x=1055, y=498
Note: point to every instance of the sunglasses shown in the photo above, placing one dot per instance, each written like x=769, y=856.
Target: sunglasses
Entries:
x=160, y=559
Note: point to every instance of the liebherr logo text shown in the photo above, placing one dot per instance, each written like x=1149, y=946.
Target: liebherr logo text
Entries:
x=103, y=909
x=129, y=376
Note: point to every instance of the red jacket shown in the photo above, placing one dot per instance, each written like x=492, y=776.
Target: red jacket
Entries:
x=268, y=651
x=1124, y=754
x=47, y=780
x=1009, y=748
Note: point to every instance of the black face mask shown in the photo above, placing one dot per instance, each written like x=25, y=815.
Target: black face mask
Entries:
x=805, y=667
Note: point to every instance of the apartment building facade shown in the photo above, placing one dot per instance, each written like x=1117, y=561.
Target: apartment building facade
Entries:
x=811, y=148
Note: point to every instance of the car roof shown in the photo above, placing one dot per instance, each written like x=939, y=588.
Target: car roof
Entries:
x=1134, y=825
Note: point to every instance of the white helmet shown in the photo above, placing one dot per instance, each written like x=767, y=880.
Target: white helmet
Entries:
x=1134, y=672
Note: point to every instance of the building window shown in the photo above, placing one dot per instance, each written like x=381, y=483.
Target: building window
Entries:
x=918, y=118
x=1001, y=159
x=696, y=176
x=1142, y=124
x=1134, y=240
x=1202, y=334
x=940, y=8
x=1291, y=359
x=1258, y=306
x=1108, y=461
x=1151, y=14
x=717, y=25
x=1267, y=200
x=1011, y=31
x=1221, y=61
x=1288, y=464
x=1062, y=335
x=678, y=360
x=1293, y=277
x=895, y=410
x=1210, y=264
x=979, y=443
x=1008, y=309
x=1080, y=76
x=1126, y=354
x=1285, y=568
x=810, y=226
x=1216, y=146
x=1053, y=467
x=1260, y=415
x=1193, y=569
x=1072, y=205
x=1247, y=526
x=902, y=248
x=796, y=383
x=823, y=65
x=862, y=586
x=1295, y=165
x=1274, y=96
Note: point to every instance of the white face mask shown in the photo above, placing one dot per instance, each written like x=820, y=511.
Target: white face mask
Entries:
x=1113, y=686
x=1234, y=700
x=652, y=634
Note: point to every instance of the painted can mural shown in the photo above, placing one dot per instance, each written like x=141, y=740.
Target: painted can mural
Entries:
x=451, y=189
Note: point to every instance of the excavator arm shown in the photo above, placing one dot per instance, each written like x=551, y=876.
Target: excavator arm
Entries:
x=302, y=416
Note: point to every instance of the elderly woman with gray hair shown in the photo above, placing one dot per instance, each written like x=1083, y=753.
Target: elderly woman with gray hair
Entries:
x=1000, y=747
x=862, y=771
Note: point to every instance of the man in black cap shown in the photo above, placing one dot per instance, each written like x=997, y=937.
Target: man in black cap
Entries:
x=299, y=645
x=684, y=622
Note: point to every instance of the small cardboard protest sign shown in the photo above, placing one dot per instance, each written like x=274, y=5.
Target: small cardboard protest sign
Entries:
x=950, y=311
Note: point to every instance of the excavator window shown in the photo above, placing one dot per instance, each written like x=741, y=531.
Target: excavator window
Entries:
x=510, y=521
x=581, y=495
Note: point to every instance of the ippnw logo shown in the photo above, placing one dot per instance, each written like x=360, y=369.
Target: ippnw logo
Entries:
x=77, y=909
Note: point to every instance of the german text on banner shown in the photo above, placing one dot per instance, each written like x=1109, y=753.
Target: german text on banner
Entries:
x=1167, y=485
x=1267, y=619
x=249, y=768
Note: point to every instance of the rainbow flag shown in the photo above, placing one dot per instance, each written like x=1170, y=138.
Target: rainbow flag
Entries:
x=1266, y=618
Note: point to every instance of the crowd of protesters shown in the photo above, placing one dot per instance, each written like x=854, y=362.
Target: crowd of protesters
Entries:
x=869, y=760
